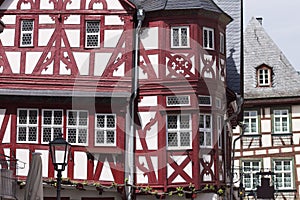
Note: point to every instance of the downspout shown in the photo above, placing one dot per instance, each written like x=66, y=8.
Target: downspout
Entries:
x=140, y=15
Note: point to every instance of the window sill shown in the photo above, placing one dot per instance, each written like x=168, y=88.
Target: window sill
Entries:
x=104, y=150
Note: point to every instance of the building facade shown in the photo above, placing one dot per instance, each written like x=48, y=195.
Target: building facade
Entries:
x=267, y=155
x=142, y=99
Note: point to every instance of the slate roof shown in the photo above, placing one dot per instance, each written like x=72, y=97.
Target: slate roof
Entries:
x=155, y=5
x=259, y=49
x=233, y=42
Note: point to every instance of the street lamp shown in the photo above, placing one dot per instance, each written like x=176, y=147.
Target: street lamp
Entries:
x=59, y=151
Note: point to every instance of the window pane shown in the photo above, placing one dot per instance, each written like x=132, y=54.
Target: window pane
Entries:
x=172, y=122
x=184, y=139
x=184, y=37
x=172, y=140
x=184, y=122
x=175, y=37
x=22, y=116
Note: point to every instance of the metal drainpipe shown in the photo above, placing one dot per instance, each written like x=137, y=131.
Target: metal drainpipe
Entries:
x=140, y=15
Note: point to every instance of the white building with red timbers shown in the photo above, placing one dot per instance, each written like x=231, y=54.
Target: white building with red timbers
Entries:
x=68, y=67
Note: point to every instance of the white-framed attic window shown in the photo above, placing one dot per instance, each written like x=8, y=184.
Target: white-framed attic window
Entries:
x=264, y=76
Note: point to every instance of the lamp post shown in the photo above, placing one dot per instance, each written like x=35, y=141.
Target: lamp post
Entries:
x=59, y=151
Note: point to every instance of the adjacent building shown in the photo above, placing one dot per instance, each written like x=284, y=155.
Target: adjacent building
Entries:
x=139, y=88
x=267, y=155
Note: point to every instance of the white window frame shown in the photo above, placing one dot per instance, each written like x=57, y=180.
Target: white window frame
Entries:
x=92, y=34
x=279, y=114
x=178, y=130
x=251, y=171
x=264, y=76
x=180, y=39
x=222, y=43
x=282, y=172
x=52, y=126
x=77, y=127
x=204, y=96
x=105, y=129
x=27, y=125
x=177, y=98
x=30, y=32
x=209, y=34
x=251, y=120
x=206, y=131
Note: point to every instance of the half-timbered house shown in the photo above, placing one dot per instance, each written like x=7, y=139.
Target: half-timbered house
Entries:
x=79, y=68
x=267, y=155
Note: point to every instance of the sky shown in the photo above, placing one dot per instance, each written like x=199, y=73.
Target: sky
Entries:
x=281, y=20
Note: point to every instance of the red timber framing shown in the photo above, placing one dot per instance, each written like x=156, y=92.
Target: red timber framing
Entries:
x=175, y=72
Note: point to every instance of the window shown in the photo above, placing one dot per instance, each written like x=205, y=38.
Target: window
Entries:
x=27, y=125
x=222, y=43
x=92, y=37
x=205, y=130
x=77, y=127
x=105, y=129
x=264, y=76
x=180, y=37
x=281, y=121
x=251, y=179
x=204, y=100
x=283, y=170
x=178, y=100
x=251, y=122
x=208, y=38
x=52, y=125
x=218, y=103
x=179, y=131
x=26, y=34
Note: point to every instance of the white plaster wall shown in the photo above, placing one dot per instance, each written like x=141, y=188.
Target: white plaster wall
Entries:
x=44, y=36
x=111, y=37
x=46, y=19
x=261, y=152
x=73, y=5
x=14, y=61
x=45, y=161
x=266, y=140
x=141, y=178
x=80, y=165
x=149, y=38
x=148, y=101
x=266, y=126
x=151, y=135
x=113, y=20
x=8, y=37
x=73, y=37
x=267, y=113
x=106, y=173
x=114, y=4
x=23, y=156
x=296, y=124
x=120, y=71
x=45, y=4
x=267, y=163
x=296, y=138
x=31, y=60
x=73, y=19
x=83, y=62
x=154, y=62
x=296, y=111
x=101, y=60
x=9, y=19
x=63, y=70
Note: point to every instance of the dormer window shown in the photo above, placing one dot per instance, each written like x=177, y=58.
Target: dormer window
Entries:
x=180, y=37
x=264, y=76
